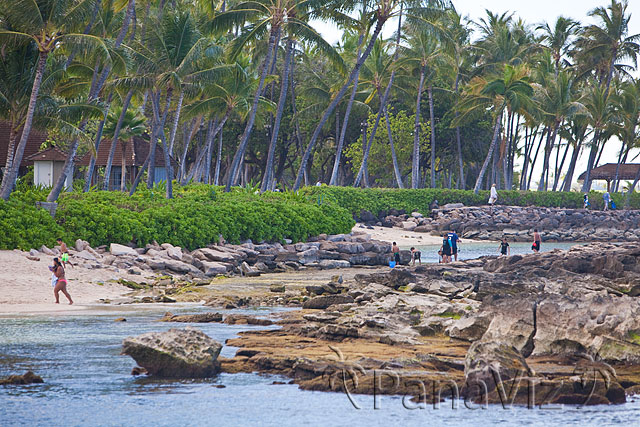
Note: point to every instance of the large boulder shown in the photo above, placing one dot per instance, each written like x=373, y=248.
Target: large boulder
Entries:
x=176, y=353
x=119, y=250
x=489, y=364
x=324, y=301
x=27, y=378
x=192, y=318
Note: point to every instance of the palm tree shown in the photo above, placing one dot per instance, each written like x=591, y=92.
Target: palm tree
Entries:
x=628, y=98
x=50, y=26
x=558, y=103
x=511, y=89
x=558, y=38
x=131, y=126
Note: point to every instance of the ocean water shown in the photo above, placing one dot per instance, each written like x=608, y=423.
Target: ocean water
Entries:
x=479, y=249
x=88, y=382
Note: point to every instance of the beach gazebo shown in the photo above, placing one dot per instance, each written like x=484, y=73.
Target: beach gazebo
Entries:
x=627, y=172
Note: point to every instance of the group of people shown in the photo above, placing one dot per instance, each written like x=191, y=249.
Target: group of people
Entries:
x=606, y=198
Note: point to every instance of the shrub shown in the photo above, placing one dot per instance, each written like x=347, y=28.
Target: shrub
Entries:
x=377, y=200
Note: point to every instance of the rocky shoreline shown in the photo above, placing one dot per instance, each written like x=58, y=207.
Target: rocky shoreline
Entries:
x=516, y=223
x=568, y=322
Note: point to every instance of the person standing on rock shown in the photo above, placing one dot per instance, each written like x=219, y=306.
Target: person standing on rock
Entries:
x=61, y=284
x=536, y=241
x=446, y=249
x=493, y=197
x=504, y=247
x=395, y=250
x=453, y=241
x=607, y=199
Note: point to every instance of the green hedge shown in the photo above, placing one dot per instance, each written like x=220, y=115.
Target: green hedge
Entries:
x=377, y=200
x=194, y=218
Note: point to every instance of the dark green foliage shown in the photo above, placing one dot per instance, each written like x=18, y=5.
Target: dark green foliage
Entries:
x=195, y=218
x=377, y=200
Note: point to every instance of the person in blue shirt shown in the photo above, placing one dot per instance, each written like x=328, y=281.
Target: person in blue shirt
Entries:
x=453, y=241
x=607, y=198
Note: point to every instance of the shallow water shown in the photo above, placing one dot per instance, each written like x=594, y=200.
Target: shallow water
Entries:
x=88, y=382
x=479, y=249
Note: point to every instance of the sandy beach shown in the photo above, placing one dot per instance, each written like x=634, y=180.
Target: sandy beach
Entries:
x=405, y=239
x=25, y=285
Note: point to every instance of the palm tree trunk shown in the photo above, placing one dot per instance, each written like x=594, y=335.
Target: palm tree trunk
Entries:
x=566, y=184
x=155, y=103
x=92, y=162
x=332, y=106
x=461, y=180
x=556, y=180
x=13, y=135
x=433, y=137
x=586, y=187
x=622, y=159
x=492, y=148
x=10, y=176
x=216, y=175
x=394, y=158
x=627, y=202
x=151, y=176
x=131, y=9
x=123, y=165
x=415, y=163
x=345, y=121
x=268, y=172
x=551, y=140
x=176, y=119
x=144, y=167
x=535, y=157
x=238, y=157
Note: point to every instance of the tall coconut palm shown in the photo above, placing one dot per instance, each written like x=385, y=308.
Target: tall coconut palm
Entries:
x=510, y=89
x=258, y=18
x=131, y=126
x=559, y=38
x=50, y=26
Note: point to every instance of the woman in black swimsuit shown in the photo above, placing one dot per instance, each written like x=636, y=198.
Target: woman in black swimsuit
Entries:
x=446, y=249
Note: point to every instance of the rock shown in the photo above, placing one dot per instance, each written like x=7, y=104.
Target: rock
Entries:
x=243, y=319
x=328, y=264
x=45, y=250
x=34, y=253
x=409, y=225
x=27, y=378
x=176, y=353
x=181, y=267
x=277, y=287
x=120, y=319
x=174, y=252
x=324, y=301
x=119, y=250
x=211, y=269
x=491, y=363
x=469, y=328
x=450, y=206
x=192, y=318
x=215, y=255
x=82, y=245
x=248, y=270
x=416, y=215
x=85, y=254
x=33, y=258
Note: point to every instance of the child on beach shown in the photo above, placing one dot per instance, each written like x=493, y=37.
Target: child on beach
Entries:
x=416, y=255
x=504, y=247
x=65, y=252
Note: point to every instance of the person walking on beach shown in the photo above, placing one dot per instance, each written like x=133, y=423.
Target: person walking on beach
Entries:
x=585, y=201
x=61, y=283
x=493, y=197
x=395, y=250
x=607, y=199
x=536, y=241
x=446, y=249
x=453, y=242
x=504, y=247
x=416, y=255
x=65, y=252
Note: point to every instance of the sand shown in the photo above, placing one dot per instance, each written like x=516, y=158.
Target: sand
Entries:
x=405, y=239
x=25, y=285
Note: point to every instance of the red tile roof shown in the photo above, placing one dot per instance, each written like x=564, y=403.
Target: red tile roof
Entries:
x=35, y=140
x=52, y=153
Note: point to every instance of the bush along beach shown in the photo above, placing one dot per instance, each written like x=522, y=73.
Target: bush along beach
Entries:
x=376, y=200
x=196, y=217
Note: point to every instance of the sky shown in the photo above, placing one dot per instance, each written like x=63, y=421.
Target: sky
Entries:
x=534, y=12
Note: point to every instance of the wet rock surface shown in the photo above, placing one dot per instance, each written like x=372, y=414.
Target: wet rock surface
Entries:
x=176, y=353
x=568, y=321
x=24, y=379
